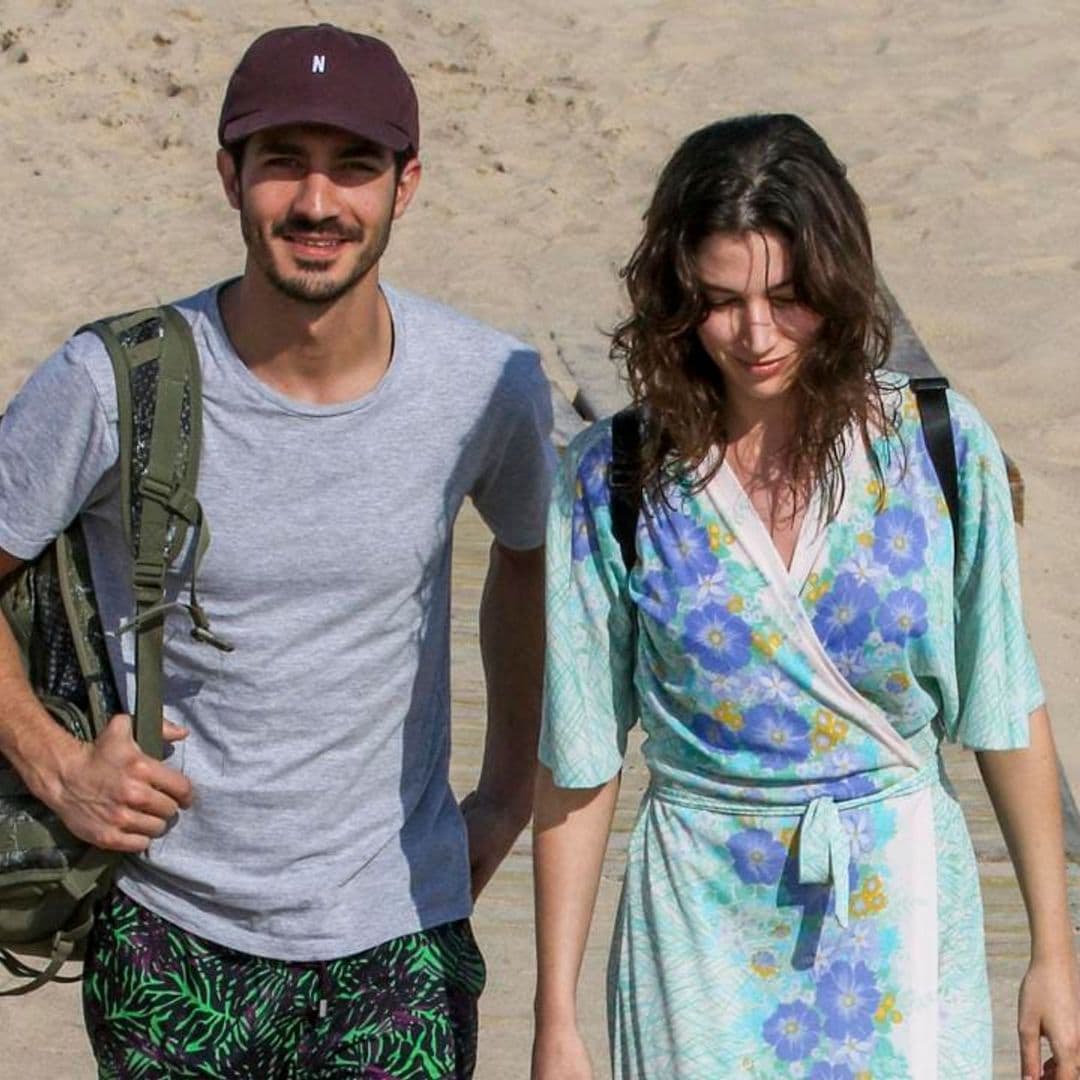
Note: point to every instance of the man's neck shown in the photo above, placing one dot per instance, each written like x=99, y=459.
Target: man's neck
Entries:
x=321, y=354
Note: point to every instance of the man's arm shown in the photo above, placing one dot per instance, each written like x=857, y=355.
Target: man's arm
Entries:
x=512, y=649
x=108, y=793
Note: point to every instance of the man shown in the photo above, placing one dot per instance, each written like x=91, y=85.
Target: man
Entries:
x=300, y=876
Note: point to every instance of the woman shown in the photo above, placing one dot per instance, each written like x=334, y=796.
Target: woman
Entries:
x=796, y=636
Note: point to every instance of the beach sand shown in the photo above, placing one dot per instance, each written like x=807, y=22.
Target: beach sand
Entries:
x=542, y=134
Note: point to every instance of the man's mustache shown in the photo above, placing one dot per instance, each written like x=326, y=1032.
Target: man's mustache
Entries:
x=310, y=227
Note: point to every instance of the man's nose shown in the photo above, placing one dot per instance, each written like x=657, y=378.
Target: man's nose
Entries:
x=315, y=197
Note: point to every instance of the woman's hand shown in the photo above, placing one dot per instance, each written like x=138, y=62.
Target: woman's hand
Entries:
x=559, y=1054
x=1050, y=1009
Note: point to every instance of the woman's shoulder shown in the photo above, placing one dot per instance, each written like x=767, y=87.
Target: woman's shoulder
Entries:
x=590, y=448
x=964, y=416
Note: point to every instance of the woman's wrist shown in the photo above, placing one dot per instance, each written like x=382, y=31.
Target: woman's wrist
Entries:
x=1052, y=950
x=555, y=1010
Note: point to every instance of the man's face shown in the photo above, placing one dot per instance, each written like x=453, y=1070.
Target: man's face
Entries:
x=316, y=204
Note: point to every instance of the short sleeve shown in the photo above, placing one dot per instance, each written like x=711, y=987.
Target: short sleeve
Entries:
x=513, y=486
x=997, y=678
x=589, y=704
x=57, y=441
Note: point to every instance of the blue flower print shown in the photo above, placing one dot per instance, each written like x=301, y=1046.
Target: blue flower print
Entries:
x=848, y=996
x=719, y=640
x=779, y=736
x=859, y=825
x=852, y=664
x=926, y=463
x=684, y=547
x=856, y=786
x=593, y=473
x=775, y=684
x=713, y=732
x=850, y=787
x=714, y=586
x=823, y=1071
x=582, y=532
x=843, y=618
x=902, y=616
x=758, y=856
x=900, y=540
x=854, y=1053
x=793, y=1031
x=861, y=942
x=659, y=597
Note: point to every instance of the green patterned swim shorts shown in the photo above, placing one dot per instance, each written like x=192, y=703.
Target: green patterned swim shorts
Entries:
x=161, y=1003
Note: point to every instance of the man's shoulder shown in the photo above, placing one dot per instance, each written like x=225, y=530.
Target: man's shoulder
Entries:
x=84, y=353
x=432, y=324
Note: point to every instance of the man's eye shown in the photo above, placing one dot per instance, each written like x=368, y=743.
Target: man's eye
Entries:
x=721, y=302
x=281, y=161
x=783, y=301
x=360, y=165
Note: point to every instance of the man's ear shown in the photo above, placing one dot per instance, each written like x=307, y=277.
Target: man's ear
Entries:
x=230, y=178
x=408, y=182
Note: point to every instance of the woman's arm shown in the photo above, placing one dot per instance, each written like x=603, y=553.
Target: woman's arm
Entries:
x=1023, y=786
x=570, y=834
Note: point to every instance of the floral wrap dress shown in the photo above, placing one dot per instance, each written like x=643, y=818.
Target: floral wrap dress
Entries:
x=801, y=897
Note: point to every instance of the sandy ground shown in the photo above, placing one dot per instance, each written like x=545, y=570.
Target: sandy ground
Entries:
x=543, y=130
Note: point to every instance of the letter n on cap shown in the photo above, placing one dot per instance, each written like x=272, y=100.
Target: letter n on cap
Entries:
x=318, y=64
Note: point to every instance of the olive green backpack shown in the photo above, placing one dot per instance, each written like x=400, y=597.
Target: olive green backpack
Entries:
x=49, y=879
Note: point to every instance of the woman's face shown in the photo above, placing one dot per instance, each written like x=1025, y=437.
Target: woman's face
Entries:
x=755, y=331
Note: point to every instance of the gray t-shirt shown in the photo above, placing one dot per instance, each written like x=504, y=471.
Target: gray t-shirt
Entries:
x=323, y=820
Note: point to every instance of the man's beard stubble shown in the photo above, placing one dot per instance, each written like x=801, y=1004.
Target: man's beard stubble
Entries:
x=313, y=285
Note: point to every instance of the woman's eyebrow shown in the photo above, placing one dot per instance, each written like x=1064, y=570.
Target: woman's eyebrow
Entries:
x=712, y=289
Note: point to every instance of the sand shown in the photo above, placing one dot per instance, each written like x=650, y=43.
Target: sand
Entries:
x=543, y=128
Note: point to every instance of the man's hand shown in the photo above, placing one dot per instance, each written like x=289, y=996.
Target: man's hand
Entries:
x=492, y=830
x=109, y=793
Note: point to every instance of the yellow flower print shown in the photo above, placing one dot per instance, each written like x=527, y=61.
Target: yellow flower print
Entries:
x=897, y=682
x=767, y=644
x=763, y=964
x=887, y=1011
x=787, y=837
x=735, y=605
x=816, y=588
x=911, y=407
x=829, y=730
x=870, y=899
x=715, y=537
x=728, y=715
x=867, y=1075
x=865, y=539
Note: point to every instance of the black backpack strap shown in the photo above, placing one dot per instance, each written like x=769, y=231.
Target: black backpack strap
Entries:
x=937, y=431
x=624, y=481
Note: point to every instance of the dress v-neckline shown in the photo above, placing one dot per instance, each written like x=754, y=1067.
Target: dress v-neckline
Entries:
x=786, y=585
x=809, y=538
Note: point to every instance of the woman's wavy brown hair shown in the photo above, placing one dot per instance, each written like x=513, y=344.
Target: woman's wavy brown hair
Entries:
x=760, y=173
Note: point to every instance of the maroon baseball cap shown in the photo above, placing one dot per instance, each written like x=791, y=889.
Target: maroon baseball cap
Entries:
x=321, y=75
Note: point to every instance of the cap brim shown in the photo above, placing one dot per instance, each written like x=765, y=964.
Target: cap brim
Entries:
x=378, y=131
